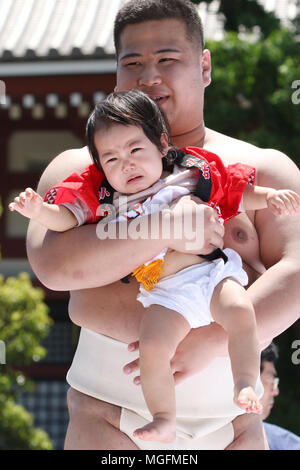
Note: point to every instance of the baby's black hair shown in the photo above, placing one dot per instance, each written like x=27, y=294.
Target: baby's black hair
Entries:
x=128, y=108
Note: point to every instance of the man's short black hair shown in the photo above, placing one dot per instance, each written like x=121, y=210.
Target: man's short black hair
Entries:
x=269, y=354
x=138, y=11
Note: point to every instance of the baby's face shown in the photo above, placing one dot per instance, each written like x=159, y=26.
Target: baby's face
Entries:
x=130, y=161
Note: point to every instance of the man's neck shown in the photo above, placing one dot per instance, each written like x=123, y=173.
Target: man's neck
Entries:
x=193, y=138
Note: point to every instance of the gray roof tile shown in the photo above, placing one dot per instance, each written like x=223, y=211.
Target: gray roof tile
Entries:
x=71, y=29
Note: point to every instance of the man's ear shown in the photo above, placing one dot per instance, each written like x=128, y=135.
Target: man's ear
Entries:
x=116, y=89
x=206, y=67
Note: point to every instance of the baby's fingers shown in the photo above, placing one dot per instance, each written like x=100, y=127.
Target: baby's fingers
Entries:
x=17, y=205
x=291, y=205
x=294, y=200
x=277, y=206
x=23, y=197
x=12, y=206
x=289, y=208
x=27, y=195
x=285, y=201
x=21, y=200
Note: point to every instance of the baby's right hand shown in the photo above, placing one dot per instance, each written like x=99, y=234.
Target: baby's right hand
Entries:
x=28, y=203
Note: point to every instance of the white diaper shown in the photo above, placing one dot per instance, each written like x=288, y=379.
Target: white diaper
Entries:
x=189, y=291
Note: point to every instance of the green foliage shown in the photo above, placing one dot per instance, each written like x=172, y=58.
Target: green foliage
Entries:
x=24, y=322
x=246, y=13
x=250, y=96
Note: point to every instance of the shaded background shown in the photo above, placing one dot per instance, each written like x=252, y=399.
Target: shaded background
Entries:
x=56, y=61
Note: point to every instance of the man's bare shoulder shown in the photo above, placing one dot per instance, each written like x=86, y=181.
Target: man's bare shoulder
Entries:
x=233, y=150
x=269, y=162
x=67, y=162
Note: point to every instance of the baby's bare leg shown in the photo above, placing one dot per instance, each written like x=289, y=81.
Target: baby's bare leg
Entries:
x=232, y=309
x=161, y=332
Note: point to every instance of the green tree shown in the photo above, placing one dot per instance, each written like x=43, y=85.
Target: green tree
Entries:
x=251, y=94
x=24, y=321
x=246, y=13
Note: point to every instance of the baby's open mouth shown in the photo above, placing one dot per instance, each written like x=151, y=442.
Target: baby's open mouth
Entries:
x=133, y=179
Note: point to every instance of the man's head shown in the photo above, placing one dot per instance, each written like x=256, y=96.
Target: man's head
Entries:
x=268, y=377
x=137, y=11
x=160, y=52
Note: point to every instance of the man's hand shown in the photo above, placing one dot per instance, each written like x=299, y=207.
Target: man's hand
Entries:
x=200, y=347
x=195, y=226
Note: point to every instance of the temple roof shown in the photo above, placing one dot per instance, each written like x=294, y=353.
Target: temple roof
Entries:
x=71, y=30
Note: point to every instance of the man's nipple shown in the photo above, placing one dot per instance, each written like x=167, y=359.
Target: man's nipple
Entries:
x=239, y=235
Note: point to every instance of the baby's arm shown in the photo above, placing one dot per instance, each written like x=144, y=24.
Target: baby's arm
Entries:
x=281, y=201
x=55, y=217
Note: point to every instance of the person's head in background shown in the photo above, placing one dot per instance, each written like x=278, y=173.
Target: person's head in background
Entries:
x=159, y=46
x=268, y=376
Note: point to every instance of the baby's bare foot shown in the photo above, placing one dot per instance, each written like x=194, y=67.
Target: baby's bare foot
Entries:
x=161, y=429
x=246, y=399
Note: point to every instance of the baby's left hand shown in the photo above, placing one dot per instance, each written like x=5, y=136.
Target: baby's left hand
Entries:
x=283, y=201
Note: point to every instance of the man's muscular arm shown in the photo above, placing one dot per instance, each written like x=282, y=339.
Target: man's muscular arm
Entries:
x=275, y=294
